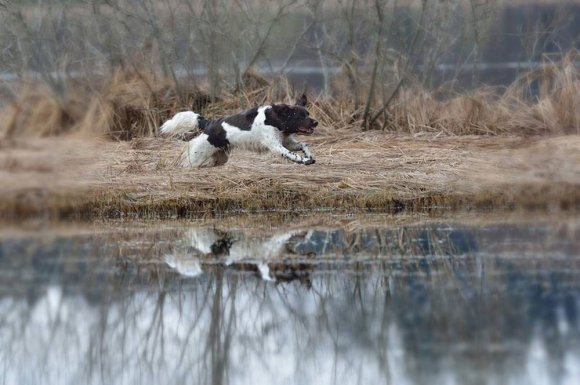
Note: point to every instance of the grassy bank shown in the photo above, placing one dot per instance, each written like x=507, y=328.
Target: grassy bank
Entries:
x=75, y=177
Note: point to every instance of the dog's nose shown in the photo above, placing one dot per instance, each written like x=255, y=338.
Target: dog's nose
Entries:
x=314, y=123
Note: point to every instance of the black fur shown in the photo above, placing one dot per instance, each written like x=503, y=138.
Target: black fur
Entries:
x=216, y=133
x=213, y=128
x=290, y=119
x=303, y=101
x=217, y=136
x=202, y=123
x=243, y=120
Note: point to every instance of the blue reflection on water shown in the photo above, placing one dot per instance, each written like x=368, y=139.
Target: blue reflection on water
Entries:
x=433, y=304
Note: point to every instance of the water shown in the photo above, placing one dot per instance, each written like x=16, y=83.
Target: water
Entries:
x=356, y=301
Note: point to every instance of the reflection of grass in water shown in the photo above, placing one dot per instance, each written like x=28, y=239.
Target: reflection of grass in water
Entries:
x=460, y=310
x=321, y=250
x=314, y=252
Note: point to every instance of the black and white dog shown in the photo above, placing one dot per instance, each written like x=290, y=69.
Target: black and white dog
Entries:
x=271, y=128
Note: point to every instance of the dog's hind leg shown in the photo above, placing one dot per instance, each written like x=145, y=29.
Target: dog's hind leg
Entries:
x=220, y=157
x=199, y=153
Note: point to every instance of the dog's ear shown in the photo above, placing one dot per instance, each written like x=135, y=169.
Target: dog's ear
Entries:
x=302, y=101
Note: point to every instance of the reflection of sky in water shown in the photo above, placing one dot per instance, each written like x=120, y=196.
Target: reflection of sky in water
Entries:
x=429, y=305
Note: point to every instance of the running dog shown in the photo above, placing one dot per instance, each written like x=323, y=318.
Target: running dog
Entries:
x=270, y=128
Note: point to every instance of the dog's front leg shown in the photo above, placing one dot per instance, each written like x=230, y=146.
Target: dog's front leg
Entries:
x=294, y=145
x=281, y=150
x=306, y=150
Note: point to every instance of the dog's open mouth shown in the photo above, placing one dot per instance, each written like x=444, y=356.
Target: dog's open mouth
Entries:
x=306, y=130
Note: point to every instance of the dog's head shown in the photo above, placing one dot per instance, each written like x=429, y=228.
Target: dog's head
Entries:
x=291, y=119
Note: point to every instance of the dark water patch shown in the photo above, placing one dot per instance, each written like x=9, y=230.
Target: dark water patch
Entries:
x=439, y=303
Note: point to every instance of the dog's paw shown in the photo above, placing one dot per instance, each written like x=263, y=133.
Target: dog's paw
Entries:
x=308, y=161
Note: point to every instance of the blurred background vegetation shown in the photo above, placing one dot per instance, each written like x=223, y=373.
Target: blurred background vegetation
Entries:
x=367, y=51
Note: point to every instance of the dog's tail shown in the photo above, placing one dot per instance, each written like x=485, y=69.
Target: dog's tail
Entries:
x=182, y=123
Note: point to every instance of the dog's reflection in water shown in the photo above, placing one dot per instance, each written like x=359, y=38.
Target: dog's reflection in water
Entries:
x=210, y=246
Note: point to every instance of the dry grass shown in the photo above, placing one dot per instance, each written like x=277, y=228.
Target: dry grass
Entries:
x=130, y=104
x=133, y=104
x=63, y=177
x=488, y=111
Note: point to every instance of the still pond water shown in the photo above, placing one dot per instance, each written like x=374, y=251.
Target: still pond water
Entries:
x=356, y=301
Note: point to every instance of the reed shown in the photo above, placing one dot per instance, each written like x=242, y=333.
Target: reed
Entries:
x=133, y=103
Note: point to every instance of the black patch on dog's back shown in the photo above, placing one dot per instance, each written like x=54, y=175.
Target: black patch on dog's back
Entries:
x=244, y=120
x=217, y=134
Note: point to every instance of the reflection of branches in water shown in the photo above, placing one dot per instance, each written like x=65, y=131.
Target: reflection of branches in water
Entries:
x=342, y=325
x=219, y=336
x=378, y=320
x=153, y=337
x=382, y=339
x=194, y=322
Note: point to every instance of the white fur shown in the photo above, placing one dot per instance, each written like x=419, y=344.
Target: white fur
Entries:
x=254, y=250
x=260, y=137
x=199, y=152
x=184, y=265
x=181, y=123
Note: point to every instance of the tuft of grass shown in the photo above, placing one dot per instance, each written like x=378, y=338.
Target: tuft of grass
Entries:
x=135, y=105
x=38, y=112
x=129, y=105
x=539, y=102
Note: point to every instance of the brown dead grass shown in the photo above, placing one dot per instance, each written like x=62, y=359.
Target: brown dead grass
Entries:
x=64, y=177
x=133, y=104
x=130, y=104
x=552, y=110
